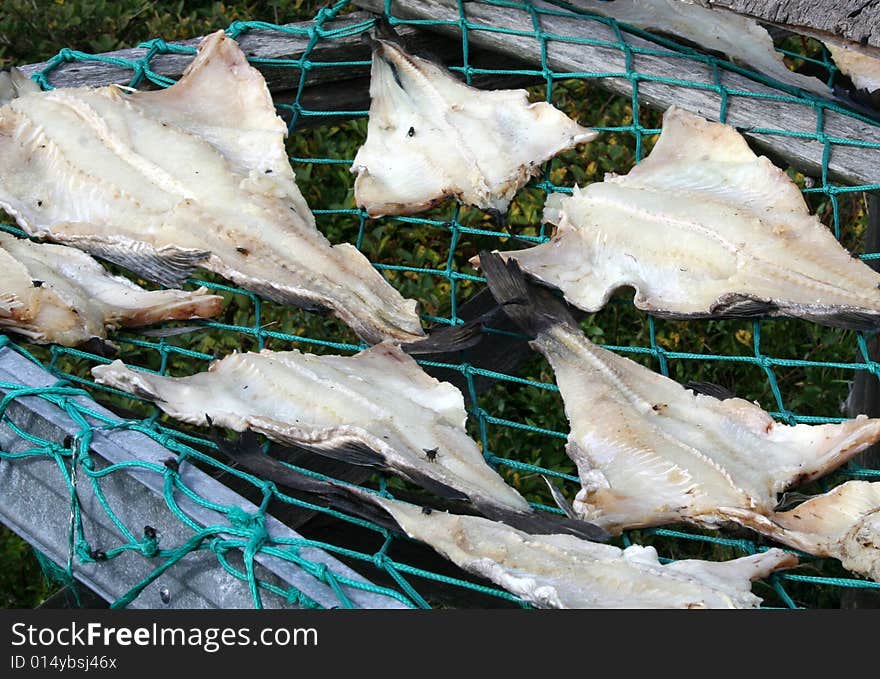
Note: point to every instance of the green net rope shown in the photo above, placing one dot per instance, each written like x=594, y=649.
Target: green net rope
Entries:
x=826, y=355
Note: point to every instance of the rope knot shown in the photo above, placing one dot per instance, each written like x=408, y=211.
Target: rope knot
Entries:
x=66, y=54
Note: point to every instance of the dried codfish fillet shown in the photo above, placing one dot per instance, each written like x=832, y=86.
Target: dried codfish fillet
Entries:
x=650, y=452
x=52, y=293
x=702, y=227
x=375, y=408
x=862, y=69
x=195, y=175
x=562, y=571
x=737, y=36
x=431, y=136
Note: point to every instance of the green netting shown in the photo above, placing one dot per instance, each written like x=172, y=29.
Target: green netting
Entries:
x=798, y=371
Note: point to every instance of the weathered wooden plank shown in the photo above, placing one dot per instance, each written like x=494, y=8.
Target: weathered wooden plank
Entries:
x=850, y=164
x=329, y=89
x=855, y=20
x=256, y=44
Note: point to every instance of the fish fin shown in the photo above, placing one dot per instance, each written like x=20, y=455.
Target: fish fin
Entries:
x=740, y=306
x=247, y=454
x=790, y=500
x=451, y=337
x=346, y=449
x=173, y=332
x=560, y=499
x=447, y=338
x=841, y=318
x=541, y=523
x=532, y=308
x=100, y=347
x=710, y=389
x=168, y=266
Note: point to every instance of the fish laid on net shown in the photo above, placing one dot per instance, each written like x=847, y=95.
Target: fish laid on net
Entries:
x=651, y=452
x=546, y=569
x=376, y=408
x=195, y=175
x=52, y=293
x=430, y=136
x=702, y=228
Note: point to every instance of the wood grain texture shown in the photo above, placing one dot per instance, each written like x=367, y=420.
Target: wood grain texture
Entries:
x=848, y=164
x=855, y=20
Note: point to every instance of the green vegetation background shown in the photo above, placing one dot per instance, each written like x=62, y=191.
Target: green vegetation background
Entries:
x=34, y=31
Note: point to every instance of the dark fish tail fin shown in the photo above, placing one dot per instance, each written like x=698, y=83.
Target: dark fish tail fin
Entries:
x=247, y=455
x=451, y=337
x=534, y=309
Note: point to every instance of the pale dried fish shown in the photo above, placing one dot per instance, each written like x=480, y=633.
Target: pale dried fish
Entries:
x=651, y=452
x=430, y=136
x=52, y=293
x=702, y=228
x=375, y=408
x=195, y=175
x=562, y=571
x=740, y=38
x=863, y=69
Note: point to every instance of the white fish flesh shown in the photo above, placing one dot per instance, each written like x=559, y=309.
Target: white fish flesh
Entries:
x=376, y=408
x=651, y=452
x=563, y=571
x=739, y=37
x=194, y=175
x=430, y=136
x=52, y=293
x=702, y=228
x=863, y=69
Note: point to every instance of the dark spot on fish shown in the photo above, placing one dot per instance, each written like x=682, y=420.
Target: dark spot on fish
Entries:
x=67, y=441
x=75, y=311
x=426, y=510
x=395, y=74
x=42, y=146
x=243, y=251
x=37, y=284
x=150, y=533
x=797, y=516
x=39, y=203
x=657, y=407
x=411, y=132
x=172, y=464
x=164, y=124
x=268, y=171
x=431, y=453
x=99, y=555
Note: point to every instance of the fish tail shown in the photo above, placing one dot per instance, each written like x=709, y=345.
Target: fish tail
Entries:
x=534, y=309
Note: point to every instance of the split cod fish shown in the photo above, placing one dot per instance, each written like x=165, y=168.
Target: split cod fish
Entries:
x=741, y=38
x=563, y=571
x=192, y=176
x=651, y=452
x=548, y=570
x=431, y=136
x=52, y=293
x=702, y=228
x=376, y=408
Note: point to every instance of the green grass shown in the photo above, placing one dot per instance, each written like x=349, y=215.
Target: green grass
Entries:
x=101, y=26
